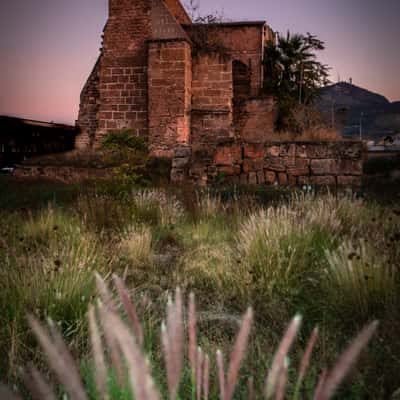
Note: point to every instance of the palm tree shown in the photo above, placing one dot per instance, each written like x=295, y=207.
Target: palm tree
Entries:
x=293, y=74
x=292, y=69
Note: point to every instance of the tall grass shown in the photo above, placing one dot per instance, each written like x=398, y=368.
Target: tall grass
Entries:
x=48, y=272
x=281, y=254
x=307, y=253
x=360, y=281
x=137, y=245
x=134, y=371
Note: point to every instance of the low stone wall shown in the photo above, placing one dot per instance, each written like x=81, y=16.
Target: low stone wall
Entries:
x=283, y=164
x=65, y=174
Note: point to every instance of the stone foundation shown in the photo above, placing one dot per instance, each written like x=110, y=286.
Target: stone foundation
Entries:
x=283, y=164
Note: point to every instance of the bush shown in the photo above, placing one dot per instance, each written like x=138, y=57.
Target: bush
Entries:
x=129, y=153
x=124, y=139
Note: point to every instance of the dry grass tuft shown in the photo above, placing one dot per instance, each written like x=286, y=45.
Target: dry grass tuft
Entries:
x=137, y=245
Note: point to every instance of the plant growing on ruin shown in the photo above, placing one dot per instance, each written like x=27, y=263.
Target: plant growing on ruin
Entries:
x=204, y=33
x=129, y=155
x=124, y=139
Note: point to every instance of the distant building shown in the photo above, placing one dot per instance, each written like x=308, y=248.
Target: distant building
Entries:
x=21, y=138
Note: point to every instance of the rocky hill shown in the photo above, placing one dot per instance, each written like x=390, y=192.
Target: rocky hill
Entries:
x=349, y=103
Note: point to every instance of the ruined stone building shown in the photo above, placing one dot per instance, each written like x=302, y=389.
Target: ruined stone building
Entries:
x=194, y=92
x=173, y=81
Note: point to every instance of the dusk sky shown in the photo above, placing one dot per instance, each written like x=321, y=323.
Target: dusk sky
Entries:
x=48, y=47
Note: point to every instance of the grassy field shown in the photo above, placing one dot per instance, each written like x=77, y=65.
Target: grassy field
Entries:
x=332, y=258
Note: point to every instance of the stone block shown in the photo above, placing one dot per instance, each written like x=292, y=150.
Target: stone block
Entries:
x=180, y=162
x=229, y=169
x=275, y=164
x=350, y=167
x=182, y=152
x=252, y=178
x=317, y=151
x=288, y=150
x=303, y=180
x=301, y=167
x=228, y=155
x=254, y=151
x=301, y=151
x=349, y=180
x=270, y=177
x=290, y=162
x=260, y=177
x=324, y=167
x=323, y=180
x=177, y=175
x=282, y=179
x=253, y=165
x=350, y=150
x=273, y=151
x=292, y=181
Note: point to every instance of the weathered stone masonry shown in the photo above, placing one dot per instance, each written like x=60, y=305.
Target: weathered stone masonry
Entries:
x=202, y=108
x=149, y=79
x=284, y=164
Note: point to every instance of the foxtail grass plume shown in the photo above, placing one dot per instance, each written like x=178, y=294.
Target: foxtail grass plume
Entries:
x=98, y=355
x=305, y=361
x=199, y=372
x=123, y=343
x=36, y=384
x=280, y=356
x=238, y=353
x=250, y=389
x=221, y=374
x=59, y=358
x=172, y=341
x=346, y=361
x=130, y=309
x=192, y=334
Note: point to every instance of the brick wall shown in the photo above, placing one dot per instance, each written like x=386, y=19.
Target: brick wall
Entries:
x=255, y=119
x=212, y=92
x=164, y=24
x=169, y=80
x=245, y=45
x=123, y=68
x=89, y=105
x=240, y=41
x=178, y=11
x=283, y=164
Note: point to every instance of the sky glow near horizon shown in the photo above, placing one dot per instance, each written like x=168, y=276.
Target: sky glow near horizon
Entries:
x=48, y=47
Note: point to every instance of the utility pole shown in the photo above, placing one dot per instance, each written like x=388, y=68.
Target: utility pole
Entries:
x=361, y=117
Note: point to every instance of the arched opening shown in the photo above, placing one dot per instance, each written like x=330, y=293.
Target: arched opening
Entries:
x=241, y=80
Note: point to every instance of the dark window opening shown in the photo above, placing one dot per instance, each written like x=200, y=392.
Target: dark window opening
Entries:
x=241, y=80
